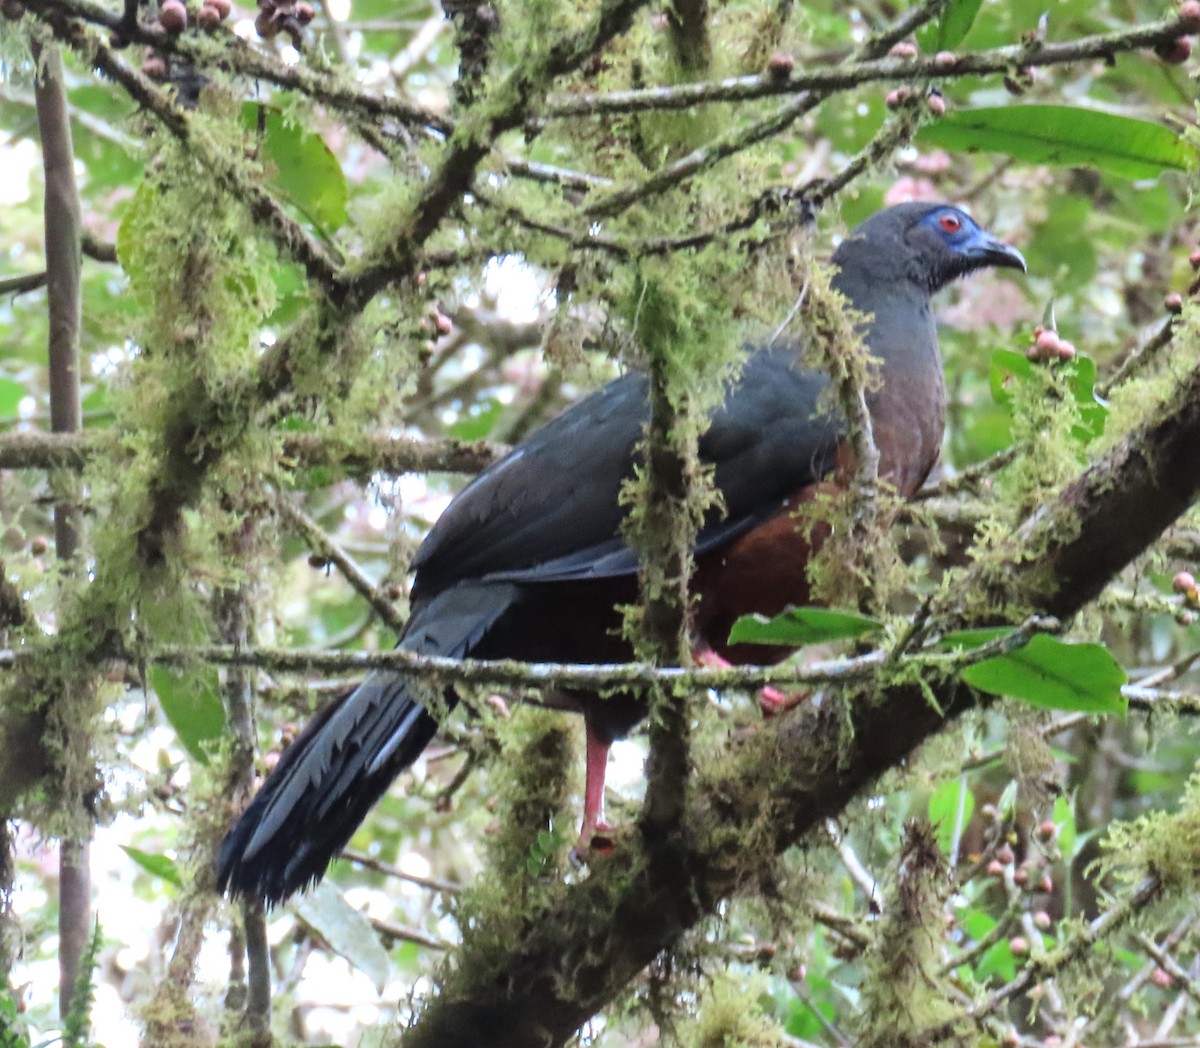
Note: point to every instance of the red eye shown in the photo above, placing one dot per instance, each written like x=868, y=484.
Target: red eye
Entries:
x=950, y=223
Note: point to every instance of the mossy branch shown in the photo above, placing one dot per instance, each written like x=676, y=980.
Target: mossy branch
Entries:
x=851, y=74
x=367, y=455
x=594, y=937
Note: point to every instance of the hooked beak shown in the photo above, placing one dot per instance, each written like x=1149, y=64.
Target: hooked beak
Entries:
x=988, y=251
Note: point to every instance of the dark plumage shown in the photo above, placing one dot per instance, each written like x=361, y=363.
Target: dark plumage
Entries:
x=528, y=562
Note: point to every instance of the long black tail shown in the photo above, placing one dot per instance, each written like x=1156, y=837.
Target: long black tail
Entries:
x=346, y=758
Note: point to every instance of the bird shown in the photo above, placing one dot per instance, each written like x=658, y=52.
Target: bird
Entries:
x=529, y=562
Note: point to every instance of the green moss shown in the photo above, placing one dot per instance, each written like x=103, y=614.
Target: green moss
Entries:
x=1166, y=843
x=731, y=1015
x=903, y=993
x=527, y=852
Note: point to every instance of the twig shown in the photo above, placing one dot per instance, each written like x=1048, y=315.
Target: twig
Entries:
x=1139, y=358
x=562, y=675
x=370, y=863
x=238, y=56
x=861, y=876
x=364, y=456
x=291, y=238
x=855, y=74
x=1071, y=952
x=1171, y=966
x=351, y=572
x=398, y=932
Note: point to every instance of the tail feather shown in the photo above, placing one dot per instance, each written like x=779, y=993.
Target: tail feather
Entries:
x=345, y=760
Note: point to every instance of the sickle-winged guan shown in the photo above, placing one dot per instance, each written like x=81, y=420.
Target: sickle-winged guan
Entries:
x=528, y=561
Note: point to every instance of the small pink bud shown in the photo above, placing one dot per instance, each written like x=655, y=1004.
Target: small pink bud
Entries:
x=1019, y=945
x=1047, y=344
x=1173, y=303
x=780, y=65
x=1175, y=52
x=904, y=49
x=945, y=60
x=1183, y=581
x=1189, y=16
x=172, y=16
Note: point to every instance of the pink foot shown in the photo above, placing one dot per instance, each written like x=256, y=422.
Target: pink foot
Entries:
x=771, y=701
x=774, y=702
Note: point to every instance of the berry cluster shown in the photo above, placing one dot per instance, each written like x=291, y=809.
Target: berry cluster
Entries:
x=173, y=15
x=1184, y=583
x=1179, y=50
x=283, y=16
x=1048, y=345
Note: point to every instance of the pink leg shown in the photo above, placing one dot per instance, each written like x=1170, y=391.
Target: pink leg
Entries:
x=593, y=791
x=771, y=701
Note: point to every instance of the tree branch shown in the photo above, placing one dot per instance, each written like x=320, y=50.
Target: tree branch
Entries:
x=592, y=938
x=854, y=74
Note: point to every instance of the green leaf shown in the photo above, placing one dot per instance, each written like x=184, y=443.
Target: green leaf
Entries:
x=1054, y=675
x=1069, y=136
x=192, y=704
x=300, y=166
x=159, y=865
x=951, y=28
x=945, y=804
x=1077, y=374
x=347, y=931
x=797, y=627
x=478, y=421
x=11, y=394
x=967, y=640
x=998, y=960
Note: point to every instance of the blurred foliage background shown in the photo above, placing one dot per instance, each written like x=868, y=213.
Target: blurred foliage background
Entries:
x=514, y=304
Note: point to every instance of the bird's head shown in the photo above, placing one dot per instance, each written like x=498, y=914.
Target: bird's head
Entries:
x=926, y=244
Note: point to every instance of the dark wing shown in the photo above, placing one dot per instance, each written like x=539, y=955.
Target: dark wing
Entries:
x=549, y=511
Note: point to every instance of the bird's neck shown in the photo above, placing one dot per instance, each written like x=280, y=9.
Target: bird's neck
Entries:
x=908, y=408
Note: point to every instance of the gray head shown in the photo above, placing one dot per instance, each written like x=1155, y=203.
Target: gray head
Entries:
x=926, y=245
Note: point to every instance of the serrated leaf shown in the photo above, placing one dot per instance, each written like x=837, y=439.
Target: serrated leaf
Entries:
x=797, y=627
x=159, y=865
x=951, y=27
x=347, y=931
x=1051, y=674
x=192, y=705
x=300, y=166
x=1069, y=136
x=945, y=804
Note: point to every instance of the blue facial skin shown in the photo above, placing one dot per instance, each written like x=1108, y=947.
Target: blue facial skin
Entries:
x=959, y=232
